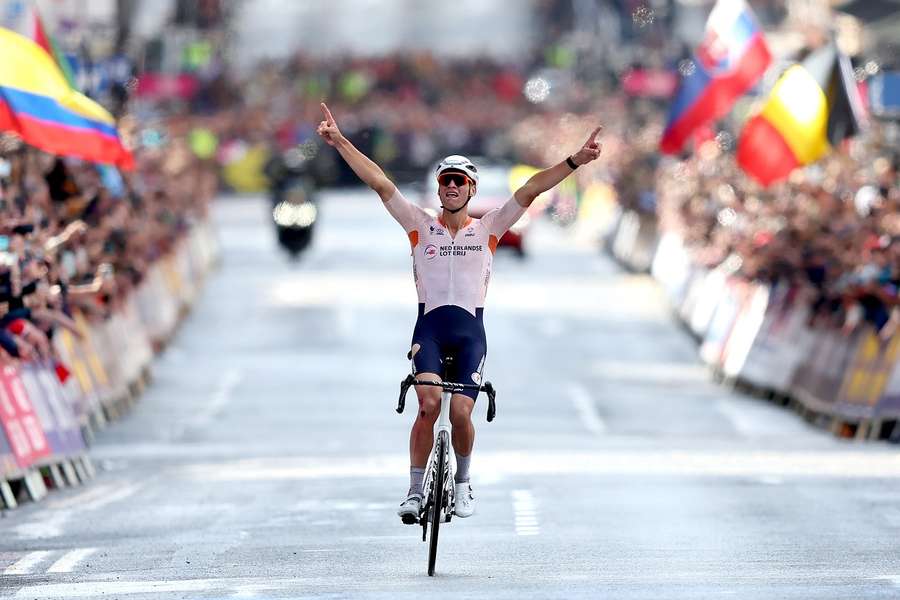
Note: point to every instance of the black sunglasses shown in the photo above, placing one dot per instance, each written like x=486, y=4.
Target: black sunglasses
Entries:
x=446, y=179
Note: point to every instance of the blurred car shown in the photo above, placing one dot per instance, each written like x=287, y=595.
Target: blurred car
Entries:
x=494, y=188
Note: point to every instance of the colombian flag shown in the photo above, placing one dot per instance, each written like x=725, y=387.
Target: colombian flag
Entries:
x=813, y=107
x=729, y=61
x=37, y=102
x=46, y=41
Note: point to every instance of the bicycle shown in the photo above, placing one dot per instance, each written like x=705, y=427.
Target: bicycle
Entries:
x=440, y=500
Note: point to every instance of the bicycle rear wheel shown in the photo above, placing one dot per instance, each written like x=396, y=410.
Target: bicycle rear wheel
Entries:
x=437, y=504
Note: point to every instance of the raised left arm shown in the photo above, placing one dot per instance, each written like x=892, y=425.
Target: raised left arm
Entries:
x=57, y=317
x=544, y=180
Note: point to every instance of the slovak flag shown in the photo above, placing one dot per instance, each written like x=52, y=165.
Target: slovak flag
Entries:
x=730, y=60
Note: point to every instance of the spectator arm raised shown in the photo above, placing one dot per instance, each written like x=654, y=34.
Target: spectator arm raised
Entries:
x=58, y=318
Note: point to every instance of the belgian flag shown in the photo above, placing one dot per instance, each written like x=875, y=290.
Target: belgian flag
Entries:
x=812, y=108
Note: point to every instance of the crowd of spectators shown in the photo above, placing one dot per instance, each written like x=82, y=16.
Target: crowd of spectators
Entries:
x=408, y=110
x=78, y=237
x=831, y=232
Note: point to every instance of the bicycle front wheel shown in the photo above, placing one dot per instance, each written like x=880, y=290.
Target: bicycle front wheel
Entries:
x=437, y=501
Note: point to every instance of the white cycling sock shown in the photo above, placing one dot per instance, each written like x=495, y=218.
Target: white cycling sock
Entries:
x=416, y=477
x=462, y=468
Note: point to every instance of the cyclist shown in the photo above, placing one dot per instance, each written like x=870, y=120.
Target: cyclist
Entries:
x=452, y=256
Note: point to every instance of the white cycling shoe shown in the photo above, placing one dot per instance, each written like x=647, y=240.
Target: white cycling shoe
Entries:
x=465, y=500
x=410, y=508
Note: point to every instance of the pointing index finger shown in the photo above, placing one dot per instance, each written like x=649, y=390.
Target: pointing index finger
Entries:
x=593, y=137
x=328, y=116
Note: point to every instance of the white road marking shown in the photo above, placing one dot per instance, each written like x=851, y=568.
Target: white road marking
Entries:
x=525, y=511
x=89, y=589
x=24, y=565
x=328, y=505
x=50, y=523
x=89, y=495
x=586, y=408
x=44, y=527
x=220, y=398
x=246, y=586
x=859, y=462
x=114, y=496
x=651, y=371
x=70, y=560
x=739, y=420
x=638, y=299
x=753, y=419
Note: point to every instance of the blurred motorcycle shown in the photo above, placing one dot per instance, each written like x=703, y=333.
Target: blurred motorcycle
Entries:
x=292, y=190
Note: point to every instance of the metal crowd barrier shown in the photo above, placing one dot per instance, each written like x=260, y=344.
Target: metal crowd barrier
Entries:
x=47, y=424
x=758, y=338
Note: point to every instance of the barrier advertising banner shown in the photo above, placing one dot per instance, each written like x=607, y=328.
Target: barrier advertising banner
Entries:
x=888, y=406
x=867, y=375
x=8, y=464
x=818, y=379
x=745, y=329
x=711, y=290
x=780, y=343
x=723, y=320
x=21, y=424
x=59, y=424
x=693, y=292
x=81, y=390
x=672, y=267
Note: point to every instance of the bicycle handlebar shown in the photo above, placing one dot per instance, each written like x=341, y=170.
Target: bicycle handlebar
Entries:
x=450, y=387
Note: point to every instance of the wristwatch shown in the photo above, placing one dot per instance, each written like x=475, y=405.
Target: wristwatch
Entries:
x=571, y=163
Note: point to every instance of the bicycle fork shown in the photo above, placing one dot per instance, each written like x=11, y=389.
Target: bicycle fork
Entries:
x=443, y=431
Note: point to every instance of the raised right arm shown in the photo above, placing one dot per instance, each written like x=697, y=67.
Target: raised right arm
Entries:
x=366, y=169
x=362, y=165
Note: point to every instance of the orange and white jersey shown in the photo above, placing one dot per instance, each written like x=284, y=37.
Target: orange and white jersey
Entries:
x=451, y=270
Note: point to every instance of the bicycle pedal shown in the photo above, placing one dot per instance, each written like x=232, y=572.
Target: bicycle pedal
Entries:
x=409, y=519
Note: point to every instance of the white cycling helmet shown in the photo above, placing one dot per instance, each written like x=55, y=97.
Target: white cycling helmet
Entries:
x=457, y=162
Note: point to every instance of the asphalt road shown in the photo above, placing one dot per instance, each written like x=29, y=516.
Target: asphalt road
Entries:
x=266, y=460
